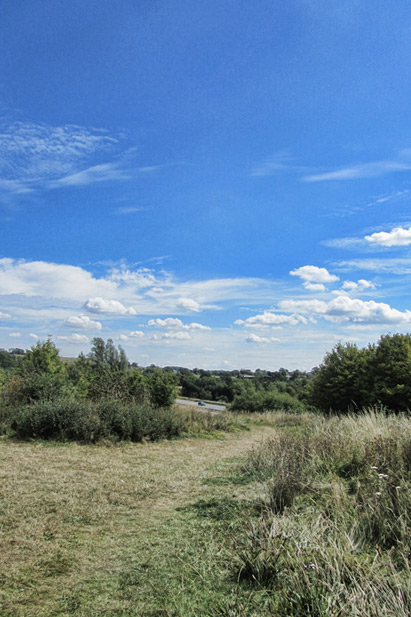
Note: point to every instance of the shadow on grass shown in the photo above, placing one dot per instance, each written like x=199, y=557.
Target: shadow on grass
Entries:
x=220, y=509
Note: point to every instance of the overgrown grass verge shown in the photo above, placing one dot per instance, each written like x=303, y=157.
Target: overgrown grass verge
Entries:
x=209, y=424
x=334, y=537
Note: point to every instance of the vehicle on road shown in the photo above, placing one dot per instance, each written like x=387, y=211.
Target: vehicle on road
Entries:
x=201, y=403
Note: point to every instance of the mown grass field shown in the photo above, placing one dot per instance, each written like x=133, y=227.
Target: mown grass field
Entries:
x=298, y=516
x=91, y=530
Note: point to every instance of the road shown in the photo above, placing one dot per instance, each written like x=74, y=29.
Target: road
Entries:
x=212, y=406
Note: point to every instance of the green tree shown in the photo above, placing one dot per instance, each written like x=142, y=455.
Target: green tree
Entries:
x=339, y=384
x=41, y=375
x=162, y=387
x=390, y=372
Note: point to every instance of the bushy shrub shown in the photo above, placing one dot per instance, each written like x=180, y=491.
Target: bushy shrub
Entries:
x=86, y=421
x=255, y=402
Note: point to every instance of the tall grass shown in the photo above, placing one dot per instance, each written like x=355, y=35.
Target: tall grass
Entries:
x=334, y=536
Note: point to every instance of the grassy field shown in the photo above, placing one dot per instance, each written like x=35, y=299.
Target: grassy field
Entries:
x=91, y=530
x=298, y=516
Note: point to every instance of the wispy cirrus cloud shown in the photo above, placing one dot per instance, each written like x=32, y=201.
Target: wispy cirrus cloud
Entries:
x=400, y=265
x=279, y=162
x=364, y=170
x=31, y=154
x=105, y=172
x=37, y=156
x=125, y=210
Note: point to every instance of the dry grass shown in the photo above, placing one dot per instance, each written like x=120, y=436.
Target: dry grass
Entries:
x=89, y=530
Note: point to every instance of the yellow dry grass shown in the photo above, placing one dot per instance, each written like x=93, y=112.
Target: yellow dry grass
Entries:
x=74, y=517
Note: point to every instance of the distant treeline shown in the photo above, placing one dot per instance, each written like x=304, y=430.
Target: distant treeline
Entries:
x=105, y=373
x=348, y=379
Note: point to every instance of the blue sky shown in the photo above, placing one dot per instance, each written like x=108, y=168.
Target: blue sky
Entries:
x=219, y=184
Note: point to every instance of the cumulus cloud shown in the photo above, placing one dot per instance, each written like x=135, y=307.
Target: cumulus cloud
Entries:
x=15, y=334
x=313, y=274
x=397, y=237
x=74, y=338
x=4, y=315
x=82, y=321
x=49, y=280
x=345, y=309
x=174, y=322
x=254, y=338
x=314, y=286
x=33, y=336
x=360, y=285
x=303, y=306
x=136, y=333
x=188, y=304
x=179, y=335
x=271, y=319
x=100, y=305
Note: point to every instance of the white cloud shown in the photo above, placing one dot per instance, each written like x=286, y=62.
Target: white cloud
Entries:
x=254, y=338
x=359, y=286
x=343, y=243
x=32, y=154
x=303, y=306
x=15, y=334
x=361, y=170
x=397, y=237
x=345, y=309
x=313, y=274
x=82, y=321
x=4, y=315
x=49, y=280
x=123, y=337
x=79, y=338
x=279, y=162
x=100, y=305
x=136, y=334
x=179, y=335
x=74, y=338
x=271, y=319
x=189, y=304
x=124, y=210
x=394, y=266
x=314, y=286
x=96, y=173
x=173, y=322
x=169, y=322
x=33, y=336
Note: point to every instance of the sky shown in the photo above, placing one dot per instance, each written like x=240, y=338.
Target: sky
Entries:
x=218, y=184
